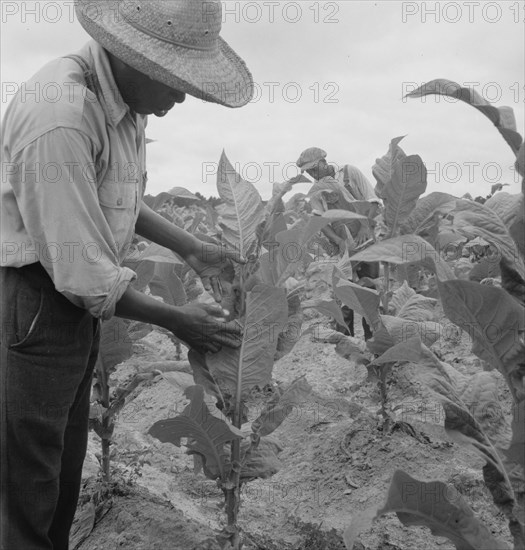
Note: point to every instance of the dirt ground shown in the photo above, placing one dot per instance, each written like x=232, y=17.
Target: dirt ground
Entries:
x=336, y=462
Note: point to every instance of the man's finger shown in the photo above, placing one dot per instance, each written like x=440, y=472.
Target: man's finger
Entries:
x=234, y=255
x=217, y=288
x=206, y=283
x=215, y=310
x=227, y=340
x=232, y=327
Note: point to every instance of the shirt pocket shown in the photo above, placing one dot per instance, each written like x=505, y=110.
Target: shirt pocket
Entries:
x=118, y=202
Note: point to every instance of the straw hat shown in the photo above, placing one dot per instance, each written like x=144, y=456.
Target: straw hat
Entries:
x=310, y=157
x=175, y=42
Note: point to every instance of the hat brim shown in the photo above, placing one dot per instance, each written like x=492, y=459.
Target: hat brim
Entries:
x=309, y=165
x=219, y=76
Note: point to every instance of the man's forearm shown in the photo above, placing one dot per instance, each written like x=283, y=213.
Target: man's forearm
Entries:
x=139, y=307
x=154, y=227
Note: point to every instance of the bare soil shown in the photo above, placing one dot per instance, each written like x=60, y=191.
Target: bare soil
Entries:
x=336, y=461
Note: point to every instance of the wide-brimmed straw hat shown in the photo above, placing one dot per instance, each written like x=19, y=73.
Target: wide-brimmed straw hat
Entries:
x=175, y=42
x=310, y=157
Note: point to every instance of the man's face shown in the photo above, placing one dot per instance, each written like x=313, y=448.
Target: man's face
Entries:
x=320, y=170
x=144, y=95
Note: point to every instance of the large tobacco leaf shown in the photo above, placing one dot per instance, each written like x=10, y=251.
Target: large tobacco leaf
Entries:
x=203, y=377
x=207, y=435
x=281, y=405
x=432, y=504
x=115, y=344
x=167, y=284
x=407, y=304
x=383, y=168
x=329, y=308
x=492, y=318
x=424, y=210
x=506, y=206
x=292, y=244
x=475, y=419
x=260, y=461
x=473, y=220
x=409, y=350
x=402, y=329
x=401, y=180
x=361, y=299
x=251, y=364
x=511, y=210
x=242, y=209
x=157, y=253
x=408, y=182
x=406, y=249
x=502, y=117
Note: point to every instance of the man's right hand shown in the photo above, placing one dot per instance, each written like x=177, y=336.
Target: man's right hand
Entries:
x=203, y=327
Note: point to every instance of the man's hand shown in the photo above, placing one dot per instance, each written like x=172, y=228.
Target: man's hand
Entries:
x=208, y=261
x=203, y=328
x=362, y=236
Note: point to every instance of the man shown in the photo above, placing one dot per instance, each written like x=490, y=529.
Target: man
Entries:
x=74, y=176
x=339, y=189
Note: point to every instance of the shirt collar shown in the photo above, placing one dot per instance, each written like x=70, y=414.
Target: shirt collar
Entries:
x=112, y=101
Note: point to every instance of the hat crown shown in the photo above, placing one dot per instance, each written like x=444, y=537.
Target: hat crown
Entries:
x=310, y=155
x=195, y=24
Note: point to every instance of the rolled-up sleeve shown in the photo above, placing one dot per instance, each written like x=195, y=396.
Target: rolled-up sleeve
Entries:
x=55, y=186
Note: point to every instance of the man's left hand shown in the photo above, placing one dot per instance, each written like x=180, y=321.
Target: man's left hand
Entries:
x=208, y=260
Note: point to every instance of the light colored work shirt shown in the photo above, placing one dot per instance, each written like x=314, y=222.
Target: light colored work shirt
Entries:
x=348, y=185
x=73, y=177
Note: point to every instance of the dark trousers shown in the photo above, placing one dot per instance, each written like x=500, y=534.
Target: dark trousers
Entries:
x=48, y=352
x=362, y=269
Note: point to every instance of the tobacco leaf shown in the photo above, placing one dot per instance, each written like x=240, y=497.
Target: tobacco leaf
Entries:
x=242, y=209
x=144, y=271
x=115, y=344
x=418, y=308
x=400, y=297
x=383, y=168
x=474, y=220
x=506, y=206
x=402, y=329
x=400, y=194
x=293, y=243
x=475, y=419
x=364, y=301
x=167, y=284
x=260, y=461
x=281, y=405
x=429, y=504
x=203, y=376
x=265, y=318
x=156, y=253
x=408, y=351
x=406, y=249
x=327, y=307
x=425, y=209
x=502, y=117
x=207, y=435
x=492, y=318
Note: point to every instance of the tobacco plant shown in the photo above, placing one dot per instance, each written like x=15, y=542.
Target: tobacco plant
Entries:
x=232, y=450
x=493, y=317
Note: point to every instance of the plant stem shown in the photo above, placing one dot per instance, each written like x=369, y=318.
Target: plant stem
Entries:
x=386, y=285
x=232, y=493
x=106, y=441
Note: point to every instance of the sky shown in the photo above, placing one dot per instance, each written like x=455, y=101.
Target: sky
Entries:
x=327, y=74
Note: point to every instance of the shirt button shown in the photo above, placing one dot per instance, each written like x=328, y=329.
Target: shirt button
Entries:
x=119, y=201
